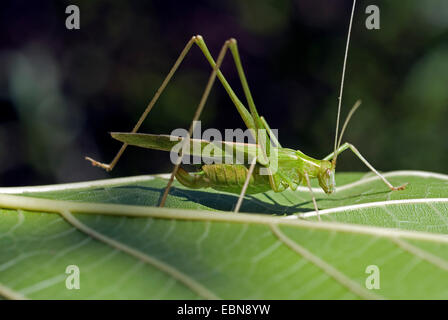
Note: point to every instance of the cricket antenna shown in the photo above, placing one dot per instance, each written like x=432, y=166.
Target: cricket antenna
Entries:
x=347, y=120
x=342, y=85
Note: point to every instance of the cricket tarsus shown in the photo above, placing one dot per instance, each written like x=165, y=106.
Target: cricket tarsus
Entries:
x=294, y=167
x=95, y=163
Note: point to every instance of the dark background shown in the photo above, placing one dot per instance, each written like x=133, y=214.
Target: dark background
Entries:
x=62, y=91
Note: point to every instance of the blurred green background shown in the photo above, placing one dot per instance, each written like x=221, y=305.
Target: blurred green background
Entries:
x=62, y=91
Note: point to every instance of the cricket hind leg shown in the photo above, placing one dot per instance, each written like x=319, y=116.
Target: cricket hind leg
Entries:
x=245, y=114
x=212, y=78
x=111, y=165
x=270, y=132
x=346, y=146
x=251, y=119
x=248, y=117
x=192, y=180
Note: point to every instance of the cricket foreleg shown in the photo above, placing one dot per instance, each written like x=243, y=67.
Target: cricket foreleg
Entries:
x=111, y=165
x=307, y=178
x=346, y=146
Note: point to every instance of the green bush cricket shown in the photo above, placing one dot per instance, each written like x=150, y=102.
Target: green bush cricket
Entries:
x=293, y=167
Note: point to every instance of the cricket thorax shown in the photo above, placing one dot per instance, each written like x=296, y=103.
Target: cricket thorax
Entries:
x=294, y=164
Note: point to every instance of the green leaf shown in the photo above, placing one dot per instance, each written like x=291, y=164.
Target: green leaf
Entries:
x=127, y=248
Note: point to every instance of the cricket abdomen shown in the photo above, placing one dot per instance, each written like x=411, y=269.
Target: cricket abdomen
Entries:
x=231, y=178
x=225, y=177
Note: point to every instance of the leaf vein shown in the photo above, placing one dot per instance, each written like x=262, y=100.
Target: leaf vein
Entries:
x=162, y=266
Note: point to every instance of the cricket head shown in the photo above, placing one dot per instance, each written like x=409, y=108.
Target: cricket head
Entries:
x=326, y=176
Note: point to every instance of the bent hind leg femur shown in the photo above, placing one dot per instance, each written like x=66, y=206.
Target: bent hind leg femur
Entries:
x=192, y=180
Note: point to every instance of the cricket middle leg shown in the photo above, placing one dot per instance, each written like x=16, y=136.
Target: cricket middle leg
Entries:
x=307, y=178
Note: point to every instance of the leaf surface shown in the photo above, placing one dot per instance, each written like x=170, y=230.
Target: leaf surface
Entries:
x=127, y=248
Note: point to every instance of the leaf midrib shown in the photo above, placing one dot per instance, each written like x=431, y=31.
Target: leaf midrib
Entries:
x=56, y=206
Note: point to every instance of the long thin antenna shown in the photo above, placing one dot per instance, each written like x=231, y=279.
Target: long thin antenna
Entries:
x=342, y=80
x=347, y=120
